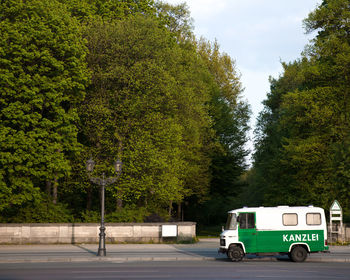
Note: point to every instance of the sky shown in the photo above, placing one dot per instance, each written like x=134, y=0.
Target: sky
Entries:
x=257, y=34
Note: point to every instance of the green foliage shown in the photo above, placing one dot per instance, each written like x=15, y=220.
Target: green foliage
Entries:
x=113, y=79
x=301, y=150
x=42, y=211
x=129, y=214
x=212, y=231
x=230, y=117
x=108, y=10
x=177, y=19
x=142, y=100
x=42, y=78
x=90, y=216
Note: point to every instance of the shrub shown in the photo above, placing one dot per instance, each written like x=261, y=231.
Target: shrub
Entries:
x=128, y=214
x=41, y=212
x=90, y=216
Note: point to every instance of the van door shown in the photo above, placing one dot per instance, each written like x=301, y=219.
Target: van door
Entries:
x=247, y=231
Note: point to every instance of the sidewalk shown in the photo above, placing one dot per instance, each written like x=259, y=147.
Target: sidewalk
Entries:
x=206, y=249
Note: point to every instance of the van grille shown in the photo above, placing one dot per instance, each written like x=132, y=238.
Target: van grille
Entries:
x=222, y=242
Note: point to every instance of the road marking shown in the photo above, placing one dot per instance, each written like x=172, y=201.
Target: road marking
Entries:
x=117, y=271
x=122, y=277
x=299, y=276
x=269, y=276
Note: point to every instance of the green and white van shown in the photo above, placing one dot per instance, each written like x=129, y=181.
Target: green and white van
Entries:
x=295, y=231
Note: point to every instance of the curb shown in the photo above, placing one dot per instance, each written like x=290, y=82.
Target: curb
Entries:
x=162, y=259
x=346, y=260
x=107, y=259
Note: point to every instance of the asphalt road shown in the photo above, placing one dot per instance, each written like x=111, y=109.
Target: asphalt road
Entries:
x=204, y=250
x=219, y=269
x=161, y=261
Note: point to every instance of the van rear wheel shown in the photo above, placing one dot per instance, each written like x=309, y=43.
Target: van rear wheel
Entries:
x=298, y=254
x=235, y=253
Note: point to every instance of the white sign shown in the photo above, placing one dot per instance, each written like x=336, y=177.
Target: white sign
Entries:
x=336, y=221
x=169, y=230
x=335, y=206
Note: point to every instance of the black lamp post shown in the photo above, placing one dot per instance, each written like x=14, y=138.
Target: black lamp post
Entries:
x=103, y=182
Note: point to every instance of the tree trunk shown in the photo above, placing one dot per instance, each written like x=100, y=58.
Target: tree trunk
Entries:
x=119, y=204
x=170, y=207
x=89, y=198
x=54, y=192
x=120, y=150
x=179, y=211
x=48, y=188
x=55, y=185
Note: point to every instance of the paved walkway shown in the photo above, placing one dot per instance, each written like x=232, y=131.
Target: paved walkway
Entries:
x=206, y=249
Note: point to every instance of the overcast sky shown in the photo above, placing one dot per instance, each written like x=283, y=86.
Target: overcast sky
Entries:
x=257, y=34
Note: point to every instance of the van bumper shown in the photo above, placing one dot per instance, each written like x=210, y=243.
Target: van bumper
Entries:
x=326, y=249
x=222, y=251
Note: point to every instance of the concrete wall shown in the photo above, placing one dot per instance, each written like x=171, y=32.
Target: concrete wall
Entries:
x=89, y=233
x=343, y=234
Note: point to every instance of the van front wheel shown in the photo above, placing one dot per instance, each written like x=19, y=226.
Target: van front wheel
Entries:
x=298, y=254
x=235, y=253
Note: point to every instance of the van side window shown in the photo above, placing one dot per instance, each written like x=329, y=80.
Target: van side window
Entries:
x=246, y=220
x=290, y=219
x=313, y=219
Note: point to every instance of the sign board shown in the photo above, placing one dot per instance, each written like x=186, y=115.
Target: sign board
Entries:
x=169, y=230
x=336, y=221
x=335, y=206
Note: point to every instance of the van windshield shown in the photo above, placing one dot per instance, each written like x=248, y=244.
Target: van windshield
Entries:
x=231, y=221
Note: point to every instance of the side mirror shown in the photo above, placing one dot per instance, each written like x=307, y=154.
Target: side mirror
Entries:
x=222, y=228
x=238, y=219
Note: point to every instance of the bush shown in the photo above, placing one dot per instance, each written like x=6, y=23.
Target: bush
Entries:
x=90, y=216
x=154, y=218
x=128, y=214
x=40, y=212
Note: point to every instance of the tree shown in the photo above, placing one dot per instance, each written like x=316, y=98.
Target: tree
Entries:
x=311, y=119
x=177, y=19
x=77, y=190
x=43, y=76
x=113, y=79
x=270, y=179
x=143, y=95
x=325, y=107
x=229, y=115
x=87, y=11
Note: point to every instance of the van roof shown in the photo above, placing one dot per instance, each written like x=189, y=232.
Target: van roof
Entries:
x=271, y=218
x=281, y=207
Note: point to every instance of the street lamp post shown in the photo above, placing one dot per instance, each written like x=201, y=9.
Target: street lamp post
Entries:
x=103, y=182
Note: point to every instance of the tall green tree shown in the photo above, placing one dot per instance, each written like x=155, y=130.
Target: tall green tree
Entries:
x=230, y=116
x=322, y=127
x=77, y=190
x=42, y=76
x=113, y=79
x=144, y=106
x=311, y=120
x=270, y=178
x=87, y=11
x=177, y=19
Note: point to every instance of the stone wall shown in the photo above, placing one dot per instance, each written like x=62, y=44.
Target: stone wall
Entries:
x=342, y=235
x=89, y=233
